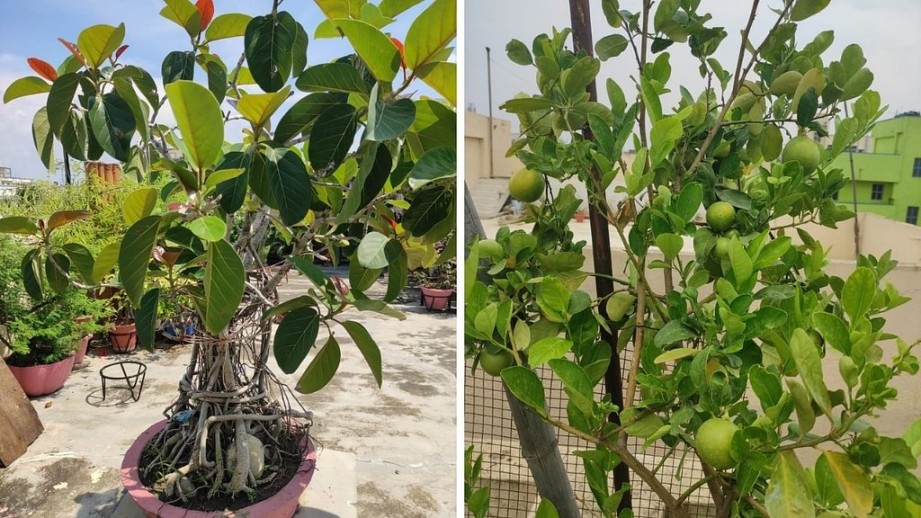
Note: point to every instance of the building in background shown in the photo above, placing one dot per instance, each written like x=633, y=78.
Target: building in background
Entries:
x=9, y=184
x=887, y=170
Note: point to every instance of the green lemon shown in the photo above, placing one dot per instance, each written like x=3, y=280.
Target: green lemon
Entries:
x=493, y=360
x=722, y=246
x=490, y=248
x=804, y=150
x=786, y=83
x=618, y=305
x=714, y=442
x=527, y=186
x=721, y=216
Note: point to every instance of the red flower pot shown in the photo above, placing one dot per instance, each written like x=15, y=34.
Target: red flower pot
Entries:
x=39, y=380
x=123, y=338
x=282, y=504
x=435, y=299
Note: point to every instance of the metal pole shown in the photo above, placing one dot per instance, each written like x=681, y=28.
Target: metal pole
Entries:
x=492, y=168
x=601, y=243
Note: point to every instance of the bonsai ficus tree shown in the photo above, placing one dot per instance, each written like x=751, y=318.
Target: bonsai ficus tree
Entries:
x=727, y=336
x=348, y=160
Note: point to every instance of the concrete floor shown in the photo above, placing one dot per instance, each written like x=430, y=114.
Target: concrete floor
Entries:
x=384, y=452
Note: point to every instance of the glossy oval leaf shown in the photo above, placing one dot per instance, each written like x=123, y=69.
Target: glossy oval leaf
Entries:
x=232, y=191
x=139, y=204
x=224, y=286
x=300, y=115
x=331, y=136
x=442, y=77
x=373, y=46
x=98, y=42
x=82, y=260
x=200, y=121
x=229, y=25
x=858, y=292
x=290, y=185
x=809, y=364
x=64, y=217
x=43, y=138
x=389, y=120
x=854, y=483
x=183, y=13
x=105, y=261
x=332, y=77
x=134, y=256
x=145, y=317
x=787, y=493
x=268, y=44
x=60, y=98
x=526, y=386
x=367, y=346
x=295, y=337
x=57, y=267
x=31, y=274
x=371, y=251
x=436, y=164
x=17, y=225
x=210, y=228
x=24, y=86
x=321, y=369
x=430, y=32
x=257, y=108
x=178, y=65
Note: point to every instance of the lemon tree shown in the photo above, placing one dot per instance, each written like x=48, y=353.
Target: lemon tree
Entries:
x=737, y=327
x=526, y=185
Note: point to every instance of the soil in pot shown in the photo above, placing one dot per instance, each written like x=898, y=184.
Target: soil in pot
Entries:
x=290, y=445
x=123, y=338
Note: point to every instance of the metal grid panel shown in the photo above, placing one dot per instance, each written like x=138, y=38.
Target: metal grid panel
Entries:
x=489, y=425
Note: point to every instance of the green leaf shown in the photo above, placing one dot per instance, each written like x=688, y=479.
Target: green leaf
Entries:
x=60, y=99
x=518, y=53
x=442, y=77
x=858, y=292
x=430, y=206
x=232, y=190
x=229, y=25
x=436, y=164
x=361, y=278
x=332, y=77
x=82, y=260
x=857, y=84
x=200, y=122
x=576, y=384
x=222, y=175
x=397, y=270
x=766, y=386
x=322, y=369
x=673, y=331
x=290, y=184
x=574, y=80
x=367, y=346
x=224, y=286
x=670, y=245
x=17, y=225
x=834, y=330
x=809, y=364
x=56, y=268
x=258, y=108
x=551, y=348
x=105, y=261
x=787, y=493
x=139, y=111
x=268, y=45
x=145, y=317
x=301, y=115
x=178, y=65
x=331, y=136
x=675, y=354
x=43, y=138
x=373, y=47
x=692, y=195
x=430, y=32
x=210, y=228
x=372, y=251
x=24, y=86
x=376, y=163
x=803, y=9
x=294, y=337
x=805, y=416
x=391, y=8
x=546, y=509
x=184, y=14
x=553, y=298
x=526, y=386
x=854, y=483
x=827, y=486
x=387, y=121
x=139, y=204
x=98, y=42
x=134, y=256
x=741, y=263
x=611, y=46
x=31, y=274
x=113, y=124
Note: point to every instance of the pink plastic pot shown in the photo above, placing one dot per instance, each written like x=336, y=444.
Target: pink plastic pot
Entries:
x=81, y=351
x=280, y=505
x=436, y=299
x=39, y=380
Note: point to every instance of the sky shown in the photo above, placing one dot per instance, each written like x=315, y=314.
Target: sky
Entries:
x=889, y=31
x=31, y=28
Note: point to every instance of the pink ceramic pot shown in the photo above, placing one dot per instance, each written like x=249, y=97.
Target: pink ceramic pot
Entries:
x=280, y=505
x=39, y=380
x=436, y=299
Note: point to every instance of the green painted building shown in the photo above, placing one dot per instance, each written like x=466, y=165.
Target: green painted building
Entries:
x=888, y=179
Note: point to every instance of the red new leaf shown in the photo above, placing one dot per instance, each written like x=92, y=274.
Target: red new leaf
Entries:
x=73, y=50
x=43, y=69
x=206, y=8
x=399, y=45
x=120, y=51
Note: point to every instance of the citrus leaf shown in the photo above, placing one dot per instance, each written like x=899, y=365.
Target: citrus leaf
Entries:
x=854, y=483
x=787, y=493
x=809, y=364
x=858, y=292
x=526, y=386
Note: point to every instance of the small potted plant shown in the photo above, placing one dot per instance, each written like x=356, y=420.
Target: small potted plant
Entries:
x=44, y=340
x=438, y=288
x=123, y=330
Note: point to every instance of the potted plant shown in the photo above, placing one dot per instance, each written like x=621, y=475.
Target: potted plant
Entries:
x=439, y=285
x=44, y=340
x=122, y=326
x=370, y=146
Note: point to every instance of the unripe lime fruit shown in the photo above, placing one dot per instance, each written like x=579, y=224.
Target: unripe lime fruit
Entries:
x=804, y=150
x=786, y=83
x=722, y=246
x=493, y=360
x=714, y=442
x=721, y=216
x=744, y=102
x=490, y=248
x=722, y=149
x=618, y=305
x=526, y=185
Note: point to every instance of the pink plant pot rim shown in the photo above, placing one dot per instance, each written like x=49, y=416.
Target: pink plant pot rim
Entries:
x=282, y=504
x=437, y=292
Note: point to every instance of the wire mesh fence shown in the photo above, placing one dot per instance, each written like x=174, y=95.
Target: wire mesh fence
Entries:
x=489, y=426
